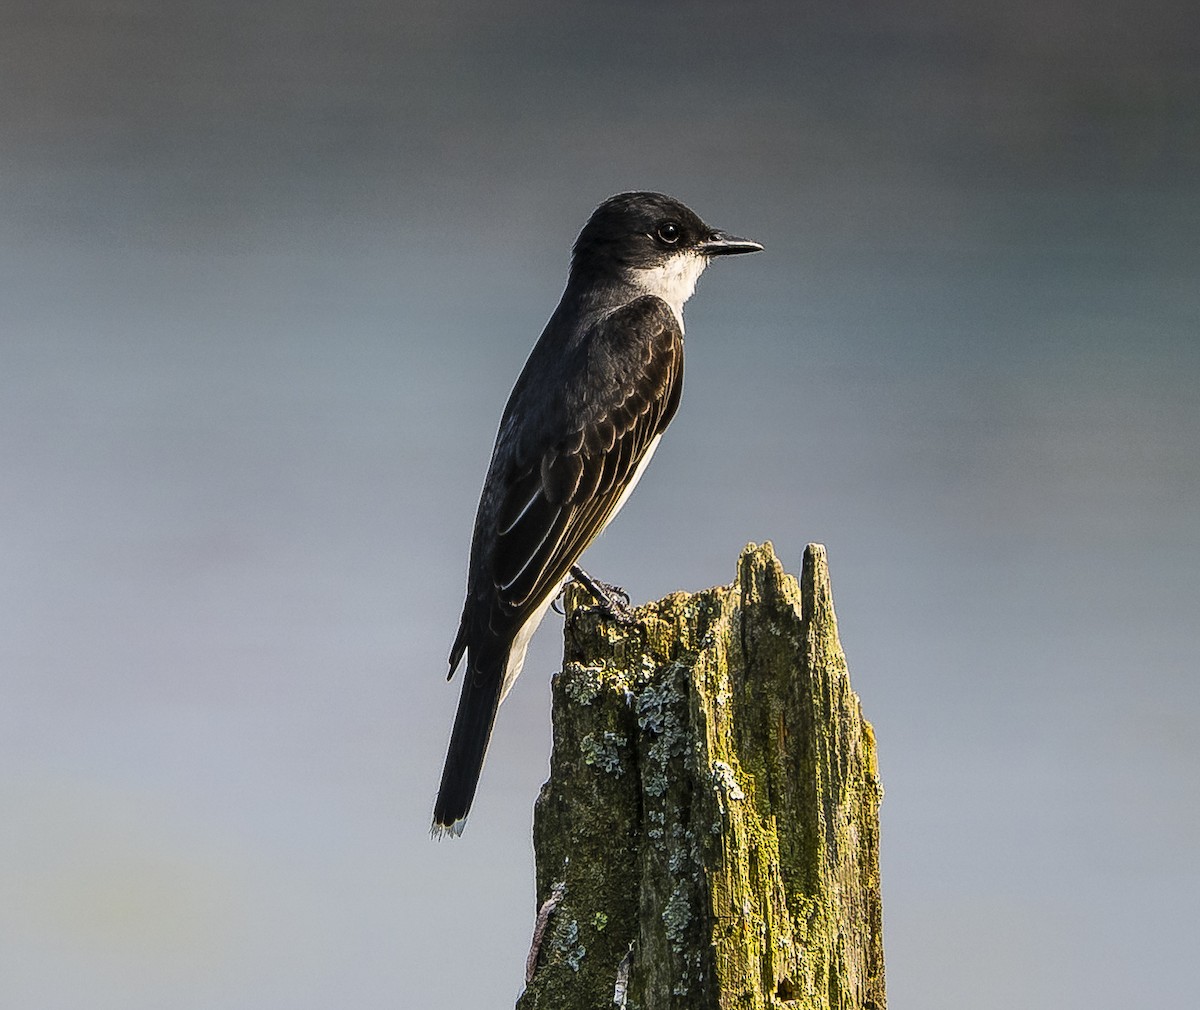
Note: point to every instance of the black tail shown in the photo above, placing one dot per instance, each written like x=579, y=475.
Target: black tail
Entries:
x=468, y=742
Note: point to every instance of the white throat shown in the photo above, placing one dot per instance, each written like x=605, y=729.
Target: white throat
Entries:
x=674, y=281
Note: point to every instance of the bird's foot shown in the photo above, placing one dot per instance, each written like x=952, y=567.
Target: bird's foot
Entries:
x=613, y=601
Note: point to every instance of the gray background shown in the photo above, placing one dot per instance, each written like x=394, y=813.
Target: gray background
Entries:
x=268, y=271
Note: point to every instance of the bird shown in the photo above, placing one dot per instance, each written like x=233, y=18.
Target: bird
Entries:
x=597, y=391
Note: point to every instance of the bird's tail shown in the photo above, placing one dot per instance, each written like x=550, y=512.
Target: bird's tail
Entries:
x=477, y=706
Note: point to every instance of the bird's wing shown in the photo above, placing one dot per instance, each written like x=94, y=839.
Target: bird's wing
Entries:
x=560, y=495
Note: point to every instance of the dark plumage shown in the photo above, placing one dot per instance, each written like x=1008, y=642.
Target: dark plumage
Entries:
x=597, y=391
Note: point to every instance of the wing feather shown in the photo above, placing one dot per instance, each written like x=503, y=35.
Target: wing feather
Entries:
x=560, y=476
x=523, y=496
x=525, y=584
x=565, y=491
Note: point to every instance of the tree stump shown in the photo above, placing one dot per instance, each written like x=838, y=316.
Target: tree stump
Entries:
x=709, y=834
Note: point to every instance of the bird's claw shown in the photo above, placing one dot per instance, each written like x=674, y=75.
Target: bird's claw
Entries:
x=611, y=600
x=614, y=594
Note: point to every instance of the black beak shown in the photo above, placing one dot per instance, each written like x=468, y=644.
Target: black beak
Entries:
x=720, y=244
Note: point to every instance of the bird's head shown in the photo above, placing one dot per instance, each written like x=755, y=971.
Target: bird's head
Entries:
x=652, y=242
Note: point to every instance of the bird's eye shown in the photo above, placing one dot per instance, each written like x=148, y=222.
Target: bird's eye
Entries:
x=668, y=232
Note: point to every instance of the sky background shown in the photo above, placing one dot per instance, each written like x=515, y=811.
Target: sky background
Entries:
x=267, y=273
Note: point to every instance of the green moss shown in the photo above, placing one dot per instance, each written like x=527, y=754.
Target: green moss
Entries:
x=661, y=715
x=565, y=943
x=676, y=918
x=583, y=684
x=726, y=782
x=602, y=752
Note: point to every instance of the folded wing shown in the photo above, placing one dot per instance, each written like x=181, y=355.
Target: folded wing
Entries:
x=564, y=493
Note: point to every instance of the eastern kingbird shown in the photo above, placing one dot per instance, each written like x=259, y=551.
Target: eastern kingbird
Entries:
x=599, y=388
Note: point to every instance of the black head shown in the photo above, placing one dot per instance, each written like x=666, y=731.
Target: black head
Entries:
x=639, y=231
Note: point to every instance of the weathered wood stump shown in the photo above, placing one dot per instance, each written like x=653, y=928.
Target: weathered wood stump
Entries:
x=710, y=828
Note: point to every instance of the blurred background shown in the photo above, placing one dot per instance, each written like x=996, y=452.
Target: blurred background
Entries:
x=267, y=273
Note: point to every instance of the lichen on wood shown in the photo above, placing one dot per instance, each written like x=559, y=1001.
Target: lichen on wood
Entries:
x=712, y=812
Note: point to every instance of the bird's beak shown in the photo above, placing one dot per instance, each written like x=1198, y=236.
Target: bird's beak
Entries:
x=720, y=244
